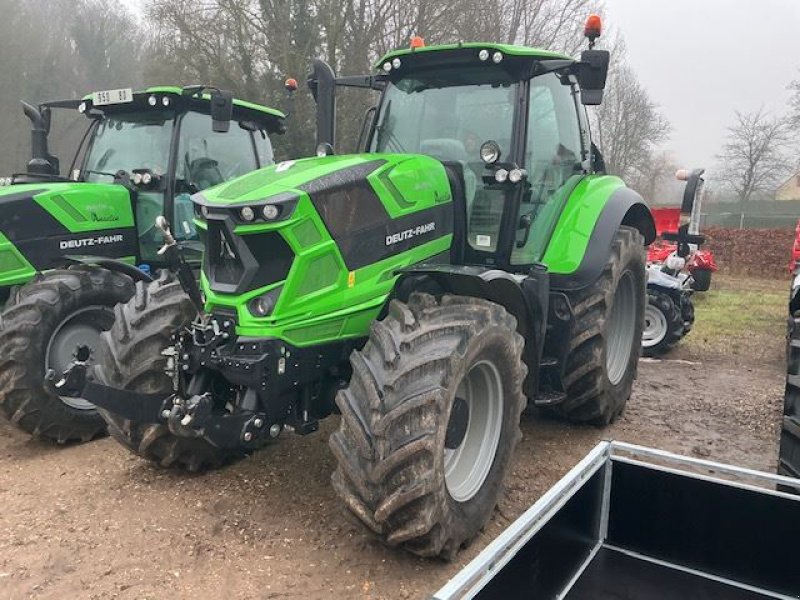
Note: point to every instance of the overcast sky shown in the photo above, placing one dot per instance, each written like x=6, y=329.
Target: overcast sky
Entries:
x=703, y=59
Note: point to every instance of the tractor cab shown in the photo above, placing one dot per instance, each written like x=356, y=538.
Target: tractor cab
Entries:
x=508, y=123
x=163, y=144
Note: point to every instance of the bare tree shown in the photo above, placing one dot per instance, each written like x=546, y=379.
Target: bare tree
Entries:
x=627, y=126
x=754, y=159
x=655, y=178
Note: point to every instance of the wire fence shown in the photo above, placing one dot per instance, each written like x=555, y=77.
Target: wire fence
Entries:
x=749, y=220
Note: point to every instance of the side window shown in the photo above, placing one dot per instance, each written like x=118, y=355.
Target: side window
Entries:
x=553, y=155
x=207, y=158
x=554, y=150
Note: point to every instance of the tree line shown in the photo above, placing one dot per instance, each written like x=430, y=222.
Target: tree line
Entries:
x=63, y=48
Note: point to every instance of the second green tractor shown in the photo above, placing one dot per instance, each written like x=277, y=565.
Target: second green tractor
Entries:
x=472, y=260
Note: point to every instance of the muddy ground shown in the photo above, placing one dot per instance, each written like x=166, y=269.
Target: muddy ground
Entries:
x=94, y=521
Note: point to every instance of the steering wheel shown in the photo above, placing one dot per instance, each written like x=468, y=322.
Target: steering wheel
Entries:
x=204, y=173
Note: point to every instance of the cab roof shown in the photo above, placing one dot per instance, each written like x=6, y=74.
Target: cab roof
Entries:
x=270, y=118
x=457, y=52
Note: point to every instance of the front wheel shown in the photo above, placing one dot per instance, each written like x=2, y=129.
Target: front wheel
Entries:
x=429, y=422
x=134, y=359
x=47, y=324
x=664, y=323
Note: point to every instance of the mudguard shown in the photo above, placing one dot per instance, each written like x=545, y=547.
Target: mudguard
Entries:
x=623, y=207
x=527, y=297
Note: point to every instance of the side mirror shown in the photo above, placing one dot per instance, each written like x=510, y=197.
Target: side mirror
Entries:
x=592, y=73
x=221, y=110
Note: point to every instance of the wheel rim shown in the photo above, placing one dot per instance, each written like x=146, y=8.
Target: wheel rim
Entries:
x=621, y=329
x=655, y=326
x=474, y=428
x=81, y=328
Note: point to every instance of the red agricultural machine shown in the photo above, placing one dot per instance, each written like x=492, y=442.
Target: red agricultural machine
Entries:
x=700, y=263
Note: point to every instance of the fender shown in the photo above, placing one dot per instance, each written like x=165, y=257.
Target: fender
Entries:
x=526, y=297
x=624, y=207
x=111, y=264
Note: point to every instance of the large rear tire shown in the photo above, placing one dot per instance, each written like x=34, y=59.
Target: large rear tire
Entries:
x=429, y=422
x=41, y=328
x=133, y=360
x=605, y=345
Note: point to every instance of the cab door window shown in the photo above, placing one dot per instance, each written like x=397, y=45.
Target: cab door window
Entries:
x=553, y=158
x=207, y=158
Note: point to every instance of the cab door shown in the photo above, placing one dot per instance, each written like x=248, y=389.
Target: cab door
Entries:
x=556, y=148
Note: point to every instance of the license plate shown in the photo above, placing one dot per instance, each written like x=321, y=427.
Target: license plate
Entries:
x=106, y=97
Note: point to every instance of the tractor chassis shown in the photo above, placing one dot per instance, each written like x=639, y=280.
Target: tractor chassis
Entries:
x=273, y=378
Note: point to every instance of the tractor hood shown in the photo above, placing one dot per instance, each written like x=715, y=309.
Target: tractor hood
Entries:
x=386, y=172
x=40, y=223
x=301, y=239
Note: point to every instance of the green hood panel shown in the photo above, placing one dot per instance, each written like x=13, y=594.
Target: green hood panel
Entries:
x=355, y=222
x=41, y=223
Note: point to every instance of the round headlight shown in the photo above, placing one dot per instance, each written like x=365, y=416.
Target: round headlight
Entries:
x=152, y=101
x=204, y=211
x=270, y=211
x=147, y=178
x=262, y=306
x=497, y=57
x=247, y=214
x=82, y=107
x=165, y=101
x=500, y=175
x=483, y=54
x=396, y=63
x=490, y=152
x=137, y=178
x=516, y=175
x=387, y=66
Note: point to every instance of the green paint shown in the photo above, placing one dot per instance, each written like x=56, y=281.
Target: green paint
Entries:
x=321, y=300
x=575, y=223
x=14, y=269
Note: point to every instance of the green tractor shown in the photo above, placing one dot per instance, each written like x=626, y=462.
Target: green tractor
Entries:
x=72, y=247
x=474, y=259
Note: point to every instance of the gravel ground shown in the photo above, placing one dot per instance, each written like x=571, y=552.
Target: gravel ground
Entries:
x=93, y=521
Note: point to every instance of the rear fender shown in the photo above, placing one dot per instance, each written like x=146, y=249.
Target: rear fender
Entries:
x=623, y=207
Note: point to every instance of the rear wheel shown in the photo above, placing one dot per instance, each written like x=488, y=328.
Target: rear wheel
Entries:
x=663, y=323
x=604, y=347
x=133, y=360
x=42, y=327
x=429, y=422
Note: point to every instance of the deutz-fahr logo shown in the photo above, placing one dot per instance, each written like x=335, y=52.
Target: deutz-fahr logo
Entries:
x=99, y=240
x=408, y=234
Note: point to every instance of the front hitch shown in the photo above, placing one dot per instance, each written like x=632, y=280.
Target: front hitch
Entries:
x=192, y=417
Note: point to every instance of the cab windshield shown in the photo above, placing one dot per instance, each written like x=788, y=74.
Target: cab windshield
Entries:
x=127, y=142
x=448, y=114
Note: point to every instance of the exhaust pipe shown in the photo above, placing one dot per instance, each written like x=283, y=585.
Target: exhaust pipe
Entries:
x=322, y=84
x=41, y=163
